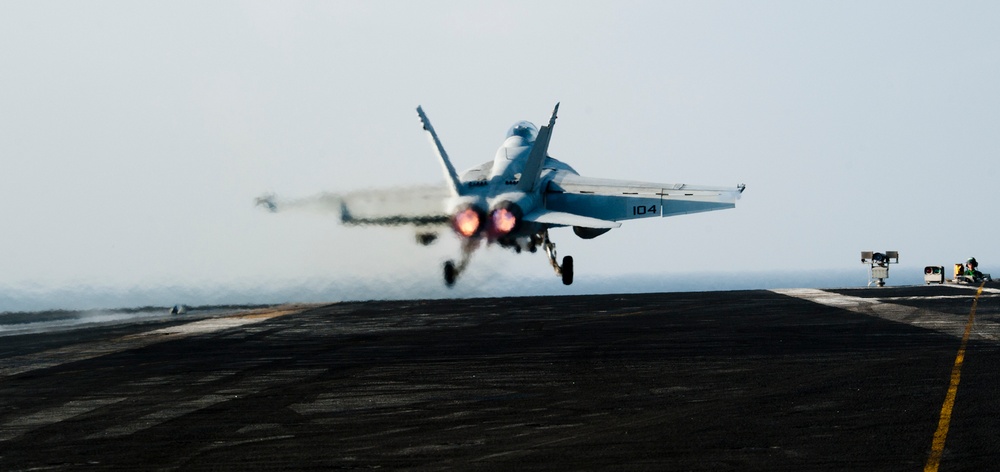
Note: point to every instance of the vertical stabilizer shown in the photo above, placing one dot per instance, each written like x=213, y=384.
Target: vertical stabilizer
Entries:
x=449, y=170
x=533, y=166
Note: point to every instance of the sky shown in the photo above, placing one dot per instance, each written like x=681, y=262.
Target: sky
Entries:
x=134, y=137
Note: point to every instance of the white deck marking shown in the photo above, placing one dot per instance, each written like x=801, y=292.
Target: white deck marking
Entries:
x=248, y=386
x=158, y=417
x=976, y=288
x=77, y=352
x=15, y=428
x=950, y=324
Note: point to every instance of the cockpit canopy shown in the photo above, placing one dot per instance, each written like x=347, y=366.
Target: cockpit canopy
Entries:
x=523, y=129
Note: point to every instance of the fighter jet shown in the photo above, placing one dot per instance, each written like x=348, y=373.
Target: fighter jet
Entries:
x=513, y=200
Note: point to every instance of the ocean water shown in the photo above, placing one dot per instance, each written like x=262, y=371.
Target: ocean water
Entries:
x=109, y=300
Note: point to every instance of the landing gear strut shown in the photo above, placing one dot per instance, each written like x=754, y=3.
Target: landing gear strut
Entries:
x=566, y=269
x=451, y=270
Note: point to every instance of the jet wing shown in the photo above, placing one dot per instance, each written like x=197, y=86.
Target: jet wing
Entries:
x=618, y=200
x=415, y=206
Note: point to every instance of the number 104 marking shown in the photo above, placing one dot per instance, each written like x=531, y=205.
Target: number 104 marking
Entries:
x=644, y=210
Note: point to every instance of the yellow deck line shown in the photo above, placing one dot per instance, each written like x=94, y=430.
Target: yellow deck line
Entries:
x=937, y=446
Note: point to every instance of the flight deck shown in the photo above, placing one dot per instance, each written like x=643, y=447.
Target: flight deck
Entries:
x=799, y=379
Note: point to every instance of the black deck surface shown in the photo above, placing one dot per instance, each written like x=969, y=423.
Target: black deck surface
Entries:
x=750, y=380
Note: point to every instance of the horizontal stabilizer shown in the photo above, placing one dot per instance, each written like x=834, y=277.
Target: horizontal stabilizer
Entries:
x=569, y=219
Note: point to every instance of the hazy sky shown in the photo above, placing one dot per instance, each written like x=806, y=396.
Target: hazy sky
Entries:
x=134, y=136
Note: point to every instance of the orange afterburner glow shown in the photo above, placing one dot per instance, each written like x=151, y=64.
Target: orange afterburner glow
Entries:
x=503, y=221
x=467, y=222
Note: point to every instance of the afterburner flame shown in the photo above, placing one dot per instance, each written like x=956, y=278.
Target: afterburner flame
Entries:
x=503, y=221
x=467, y=222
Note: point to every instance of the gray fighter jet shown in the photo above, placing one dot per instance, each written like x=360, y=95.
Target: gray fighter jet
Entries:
x=513, y=200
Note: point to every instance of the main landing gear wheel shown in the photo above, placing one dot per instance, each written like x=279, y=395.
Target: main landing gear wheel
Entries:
x=450, y=273
x=567, y=270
